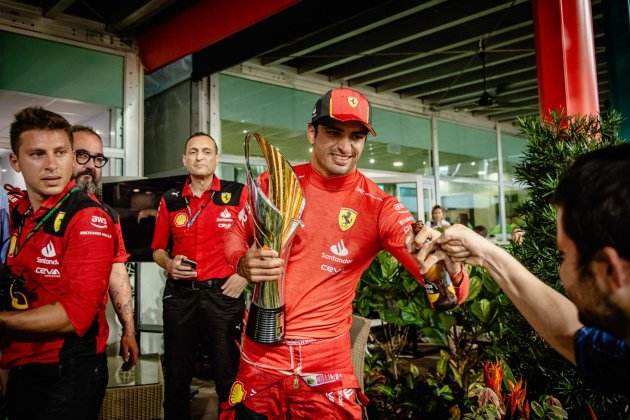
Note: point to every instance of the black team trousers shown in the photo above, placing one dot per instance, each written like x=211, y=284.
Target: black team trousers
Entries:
x=70, y=390
x=198, y=314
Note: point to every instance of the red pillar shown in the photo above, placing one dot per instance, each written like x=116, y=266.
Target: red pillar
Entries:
x=565, y=57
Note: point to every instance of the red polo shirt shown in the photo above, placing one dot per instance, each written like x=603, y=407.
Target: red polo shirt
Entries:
x=69, y=262
x=195, y=226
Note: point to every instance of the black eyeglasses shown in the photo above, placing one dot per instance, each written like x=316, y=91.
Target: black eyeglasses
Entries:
x=84, y=157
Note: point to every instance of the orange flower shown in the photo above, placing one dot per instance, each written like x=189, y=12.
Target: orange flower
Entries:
x=493, y=374
x=517, y=400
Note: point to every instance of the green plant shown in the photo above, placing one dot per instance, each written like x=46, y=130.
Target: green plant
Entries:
x=551, y=148
x=398, y=381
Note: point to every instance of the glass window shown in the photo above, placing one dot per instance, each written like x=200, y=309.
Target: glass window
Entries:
x=166, y=126
x=114, y=167
x=470, y=203
x=281, y=114
x=513, y=149
x=402, y=144
x=467, y=151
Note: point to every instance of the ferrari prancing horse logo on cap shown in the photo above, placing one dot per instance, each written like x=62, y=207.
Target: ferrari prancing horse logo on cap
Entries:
x=225, y=197
x=347, y=217
x=353, y=101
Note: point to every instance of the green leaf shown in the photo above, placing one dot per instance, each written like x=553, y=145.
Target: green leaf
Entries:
x=475, y=287
x=445, y=392
x=413, y=369
x=481, y=309
x=537, y=409
x=559, y=412
x=442, y=363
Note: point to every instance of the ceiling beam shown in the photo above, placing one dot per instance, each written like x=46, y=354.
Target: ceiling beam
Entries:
x=495, y=76
x=472, y=92
x=442, y=17
x=53, y=9
x=366, y=21
x=141, y=15
x=454, y=70
x=462, y=40
x=438, y=56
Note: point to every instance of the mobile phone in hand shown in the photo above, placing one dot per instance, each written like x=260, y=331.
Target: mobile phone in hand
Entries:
x=192, y=264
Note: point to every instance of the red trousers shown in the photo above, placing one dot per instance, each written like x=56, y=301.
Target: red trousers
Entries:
x=303, y=379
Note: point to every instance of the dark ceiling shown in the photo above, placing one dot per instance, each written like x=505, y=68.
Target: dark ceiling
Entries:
x=429, y=50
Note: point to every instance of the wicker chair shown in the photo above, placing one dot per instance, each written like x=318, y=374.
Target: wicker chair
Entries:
x=134, y=402
x=359, y=334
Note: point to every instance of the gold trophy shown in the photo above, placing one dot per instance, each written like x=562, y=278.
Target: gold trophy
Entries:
x=276, y=216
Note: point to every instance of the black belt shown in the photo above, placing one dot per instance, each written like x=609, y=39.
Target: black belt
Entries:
x=198, y=284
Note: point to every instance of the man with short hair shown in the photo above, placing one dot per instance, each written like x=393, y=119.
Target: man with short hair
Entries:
x=87, y=170
x=590, y=328
x=347, y=220
x=203, y=302
x=62, y=246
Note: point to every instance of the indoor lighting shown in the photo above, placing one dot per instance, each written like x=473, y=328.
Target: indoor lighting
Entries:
x=398, y=164
x=310, y=150
x=136, y=190
x=244, y=131
x=473, y=163
x=372, y=160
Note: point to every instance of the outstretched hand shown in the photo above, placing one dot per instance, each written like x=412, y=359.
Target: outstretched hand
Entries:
x=465, y=245
x=424, y=244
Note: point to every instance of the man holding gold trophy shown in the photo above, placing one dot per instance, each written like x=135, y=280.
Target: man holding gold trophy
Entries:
x=347, y=219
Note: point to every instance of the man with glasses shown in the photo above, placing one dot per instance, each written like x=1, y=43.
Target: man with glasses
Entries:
x=87, y=171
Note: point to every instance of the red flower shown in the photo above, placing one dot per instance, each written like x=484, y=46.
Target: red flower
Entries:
x=517, y=400
x=493, y=374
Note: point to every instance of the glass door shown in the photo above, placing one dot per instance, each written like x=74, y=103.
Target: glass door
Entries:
x=412, y=190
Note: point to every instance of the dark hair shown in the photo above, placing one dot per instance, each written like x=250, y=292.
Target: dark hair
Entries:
x=594, y=194
x=437, y=206
x=201, y=133
x=481, y=229
x=84, y=129
x=36, y=118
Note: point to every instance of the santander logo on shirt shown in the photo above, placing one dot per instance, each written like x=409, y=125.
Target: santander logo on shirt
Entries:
x=49, y=253
x=339, y=249
x=49, y=250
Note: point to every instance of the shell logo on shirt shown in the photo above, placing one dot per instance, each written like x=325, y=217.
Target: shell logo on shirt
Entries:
x=225, y=197
x=180, y=219
x=347, y=217
x=237, y=393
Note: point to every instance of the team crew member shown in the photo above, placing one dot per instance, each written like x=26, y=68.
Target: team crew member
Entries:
x=62, y=245
x=87, y=170
x=202, y=297
x=348, y=219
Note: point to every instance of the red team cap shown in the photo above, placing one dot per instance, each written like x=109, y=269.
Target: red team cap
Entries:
x=343, y=104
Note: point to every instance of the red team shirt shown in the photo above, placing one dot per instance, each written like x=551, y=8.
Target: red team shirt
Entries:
x=72, y=269
x=347, y=221
x=203, y=240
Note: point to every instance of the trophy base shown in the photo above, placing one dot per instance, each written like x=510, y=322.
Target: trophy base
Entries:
x=265, y=326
